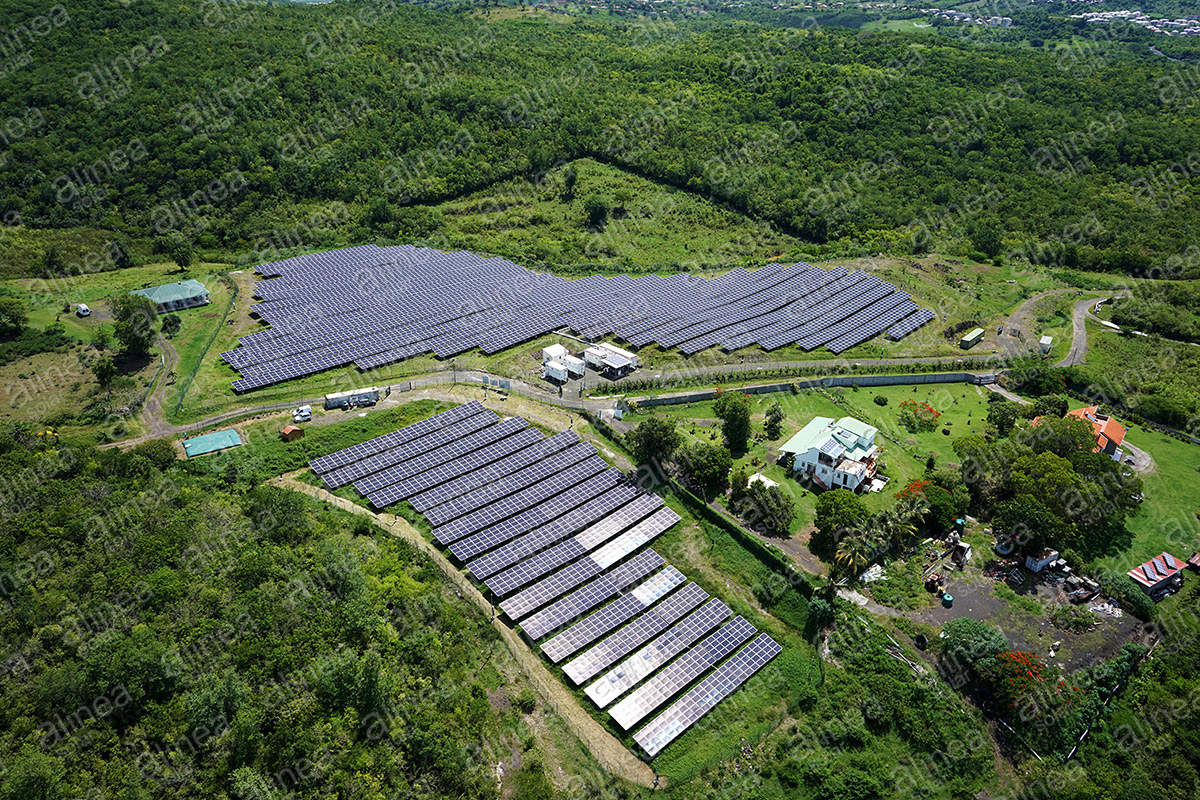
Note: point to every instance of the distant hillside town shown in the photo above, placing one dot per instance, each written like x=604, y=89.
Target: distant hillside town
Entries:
x=1184, y=26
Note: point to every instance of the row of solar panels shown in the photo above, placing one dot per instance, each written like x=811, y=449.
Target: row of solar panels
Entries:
x=371, y=306
x=561, y=539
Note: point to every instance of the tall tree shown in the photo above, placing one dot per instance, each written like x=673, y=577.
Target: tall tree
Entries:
x=774, y=424
x=655, y=439
x=706, y=465
x=134, y=317
x=13, y=315
x=734, y=410
x=840, y=513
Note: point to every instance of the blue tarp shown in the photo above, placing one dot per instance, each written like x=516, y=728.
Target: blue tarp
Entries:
x=211, y=442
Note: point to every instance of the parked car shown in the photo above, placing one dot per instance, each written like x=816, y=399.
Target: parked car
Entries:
x=82, y=310
x=302, y=414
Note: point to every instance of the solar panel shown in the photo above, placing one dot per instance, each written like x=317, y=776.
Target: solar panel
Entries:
x=408, y=433
x=369, y=306
x=523, y=478
x=514, y=503
x=350, y=472
x=705, y=696
x=590, y=595
x=680, y=672
x=438, y=457
x=610, y=616
x=518, y=437
x=557, y=505
x=485, y=468
x=590, y=516
x=620, y=644
x=641, y=664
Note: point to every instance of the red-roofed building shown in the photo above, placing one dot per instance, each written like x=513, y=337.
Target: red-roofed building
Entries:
x=1109, y=433
x=1160, y=572
x=291, y=433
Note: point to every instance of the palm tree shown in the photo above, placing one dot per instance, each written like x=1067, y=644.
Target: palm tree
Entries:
x=854, y=552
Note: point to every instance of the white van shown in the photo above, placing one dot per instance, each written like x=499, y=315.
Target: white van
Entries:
x=302, y=414
x=82, y=310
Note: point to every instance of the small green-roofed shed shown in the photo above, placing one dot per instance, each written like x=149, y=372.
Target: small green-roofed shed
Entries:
x=211, y=442
x=172, y=296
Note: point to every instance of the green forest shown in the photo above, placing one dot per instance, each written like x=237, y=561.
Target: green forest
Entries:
x=256, y=128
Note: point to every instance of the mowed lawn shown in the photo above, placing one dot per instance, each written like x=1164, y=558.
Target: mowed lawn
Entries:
x=1167, y=519
x=963, y=408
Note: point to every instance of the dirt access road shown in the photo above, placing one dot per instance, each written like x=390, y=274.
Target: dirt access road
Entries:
x=154, y=420
x=605, y=747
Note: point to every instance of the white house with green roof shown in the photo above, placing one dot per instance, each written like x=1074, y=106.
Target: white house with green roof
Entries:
x=837, y=454
x=174, y=296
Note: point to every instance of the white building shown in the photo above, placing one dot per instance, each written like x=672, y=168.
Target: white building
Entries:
x=554, y=352
x=610, y=359
x=836, y=454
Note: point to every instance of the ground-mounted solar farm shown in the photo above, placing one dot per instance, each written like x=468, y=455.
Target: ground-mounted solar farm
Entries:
x=561, y=540
x=371, y=306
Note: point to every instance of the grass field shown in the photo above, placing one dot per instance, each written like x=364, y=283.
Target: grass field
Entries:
x=1168, y=516
x=963, y=408
x=541, y=222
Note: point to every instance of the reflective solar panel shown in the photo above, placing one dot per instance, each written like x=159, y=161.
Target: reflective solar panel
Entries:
x=610, y=616
x=620, y=644
x=705, y=696
x=590, y=595
x=681, y=672
x=590, y=516
x=640, y=665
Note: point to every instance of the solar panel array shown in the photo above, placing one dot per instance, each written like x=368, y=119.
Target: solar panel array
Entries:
x=562, y=540
x=371, y=306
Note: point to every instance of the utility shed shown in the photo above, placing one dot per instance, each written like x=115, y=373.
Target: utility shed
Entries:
x=291, y=433
x=174, y=296
x=1157, y=574
x=367, y=396
x=212, y=442
x=556, y=370
x=575, y=366
x=971, y=339
x=1045, y=343
x=554, y=352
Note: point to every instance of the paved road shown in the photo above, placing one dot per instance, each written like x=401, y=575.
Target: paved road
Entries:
x=1079, y=344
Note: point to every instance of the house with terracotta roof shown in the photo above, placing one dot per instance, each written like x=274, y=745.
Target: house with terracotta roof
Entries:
x=1159, y=574
x=1108, y=432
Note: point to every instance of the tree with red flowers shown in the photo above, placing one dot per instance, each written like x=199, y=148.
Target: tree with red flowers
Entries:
x=917, y=416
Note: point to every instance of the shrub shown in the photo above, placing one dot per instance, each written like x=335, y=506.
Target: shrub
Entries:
x=880, y=400
x=968, y=640
x=820, y=612
x=918, y=416
x=525, y=700
x=1128, y=594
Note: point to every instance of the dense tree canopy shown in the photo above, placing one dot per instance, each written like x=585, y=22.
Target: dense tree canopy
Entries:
x=862, y=142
